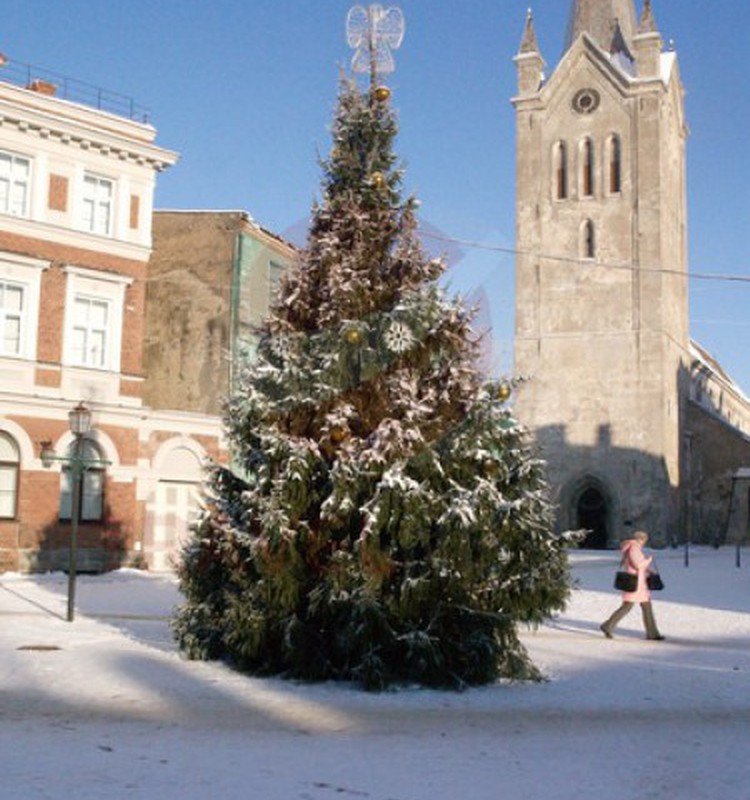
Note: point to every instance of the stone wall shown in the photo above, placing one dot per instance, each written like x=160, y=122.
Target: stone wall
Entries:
x=718, y=451
x=186, y=355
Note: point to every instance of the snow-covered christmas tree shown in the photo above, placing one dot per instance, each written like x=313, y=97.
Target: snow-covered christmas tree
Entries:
x=385, y=520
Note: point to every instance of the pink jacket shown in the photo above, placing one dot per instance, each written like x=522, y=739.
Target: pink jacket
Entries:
x=636, y=563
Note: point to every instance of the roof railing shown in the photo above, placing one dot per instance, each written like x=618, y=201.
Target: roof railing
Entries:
x=44, y=81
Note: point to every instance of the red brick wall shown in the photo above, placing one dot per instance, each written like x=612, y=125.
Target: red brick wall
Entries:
x=125, y=441
x=8, y=545
x=52, y=300
x=51, y=317
x=47, y=377
x=133, y=321
x=37, y=529
x=57, y=198
x=54, y=252
x=135, y=211
x=131, y=388
x=38, y=540
x=38, y=506
x=39, y=429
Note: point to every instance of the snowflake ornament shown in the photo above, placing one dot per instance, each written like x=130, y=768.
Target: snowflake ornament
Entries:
x=398, y=338
x=282, y=345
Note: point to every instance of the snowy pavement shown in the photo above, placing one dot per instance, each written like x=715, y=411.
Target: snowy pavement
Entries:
x=105, y=706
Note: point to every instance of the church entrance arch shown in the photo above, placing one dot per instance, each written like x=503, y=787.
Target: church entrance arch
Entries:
x=592, y=513
x=587, y=503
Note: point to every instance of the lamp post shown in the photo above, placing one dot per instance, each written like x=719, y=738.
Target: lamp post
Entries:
x=689, y=505
x=80, y=424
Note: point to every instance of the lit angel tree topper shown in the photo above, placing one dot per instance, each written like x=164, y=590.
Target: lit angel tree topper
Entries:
x=385, y=521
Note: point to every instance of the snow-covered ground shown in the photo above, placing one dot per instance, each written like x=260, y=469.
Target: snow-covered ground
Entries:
x=104, y=707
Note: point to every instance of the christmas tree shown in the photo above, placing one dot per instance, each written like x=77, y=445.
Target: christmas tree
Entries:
x=386, y=521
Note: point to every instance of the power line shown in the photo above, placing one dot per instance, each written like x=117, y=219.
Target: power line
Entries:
x=589, y=262
x=704, y=276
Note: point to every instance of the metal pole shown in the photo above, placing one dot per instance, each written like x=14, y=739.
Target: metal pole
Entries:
x=689, y=507
x=77, y=471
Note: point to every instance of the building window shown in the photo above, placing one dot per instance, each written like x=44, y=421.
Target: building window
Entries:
x=9, y=462
x=20, y=286
x=94, y=308
x=11, y=318
x=97, y=205
x=614, y=148
x=587, y=168
x=91, y=499
x=14, y=184
x=560, y=161
x=588, y=243
x=90, y=332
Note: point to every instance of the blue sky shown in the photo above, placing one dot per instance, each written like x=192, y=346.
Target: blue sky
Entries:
x=245, y=89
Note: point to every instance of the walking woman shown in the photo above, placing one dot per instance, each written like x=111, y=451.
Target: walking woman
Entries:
x=637, y=563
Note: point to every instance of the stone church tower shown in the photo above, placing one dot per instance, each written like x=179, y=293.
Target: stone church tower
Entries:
x=602, y=339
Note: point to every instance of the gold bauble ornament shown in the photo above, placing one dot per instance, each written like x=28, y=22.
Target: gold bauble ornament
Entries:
x=339, y=433
x=382, y=93
x=504, y=391
x=378, y=181
x=353, y=336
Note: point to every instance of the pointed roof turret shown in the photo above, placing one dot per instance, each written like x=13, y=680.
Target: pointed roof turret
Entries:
x=529, y=43
x=529, y=61
x=647, y=45
x=601, y=20
x=647, y=23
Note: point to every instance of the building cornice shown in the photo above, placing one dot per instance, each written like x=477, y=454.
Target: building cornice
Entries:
x=57, y=235
x=98, y=274
x=24, y=261
x=77, y=126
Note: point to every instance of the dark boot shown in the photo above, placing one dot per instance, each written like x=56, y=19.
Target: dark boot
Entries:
x=608, y=627
x=649, y=623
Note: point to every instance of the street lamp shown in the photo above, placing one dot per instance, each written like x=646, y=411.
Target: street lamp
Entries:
x=80, y=420
x=80, y=424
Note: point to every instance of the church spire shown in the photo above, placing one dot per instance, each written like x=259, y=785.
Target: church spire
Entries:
x=603, y=20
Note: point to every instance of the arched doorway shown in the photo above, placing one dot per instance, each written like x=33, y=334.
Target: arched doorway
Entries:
x=591, y=513
x=177, y=502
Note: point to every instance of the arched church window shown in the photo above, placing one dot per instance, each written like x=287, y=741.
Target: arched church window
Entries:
x=614, y=157
x=587, y=168
x=560, y=164
x=588, y=243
